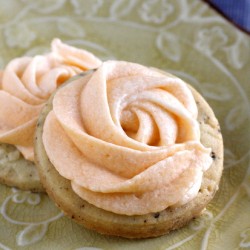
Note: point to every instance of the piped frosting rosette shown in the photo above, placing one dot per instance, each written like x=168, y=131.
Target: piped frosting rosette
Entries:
x=26, y=84
x=127, y=138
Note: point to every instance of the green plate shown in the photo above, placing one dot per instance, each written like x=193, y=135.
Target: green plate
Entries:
x=184, y=37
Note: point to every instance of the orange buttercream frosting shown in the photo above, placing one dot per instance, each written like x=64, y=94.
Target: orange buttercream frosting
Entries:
x=25, y=85
x=128, y=139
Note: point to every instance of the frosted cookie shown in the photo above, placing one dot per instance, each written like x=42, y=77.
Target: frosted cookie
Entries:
x=129, y=151
x=25, y=85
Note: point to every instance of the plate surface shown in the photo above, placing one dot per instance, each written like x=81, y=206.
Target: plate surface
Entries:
x=184, y=37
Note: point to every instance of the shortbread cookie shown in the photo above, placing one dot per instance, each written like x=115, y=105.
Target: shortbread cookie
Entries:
x=15, y=171
x=26, y=84
x=129, y=151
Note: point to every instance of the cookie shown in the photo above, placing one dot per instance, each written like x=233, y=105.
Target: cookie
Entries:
x=15, y=171
x=104, y=213
x=26, y=83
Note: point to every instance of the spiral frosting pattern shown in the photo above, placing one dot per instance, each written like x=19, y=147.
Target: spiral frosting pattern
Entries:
x=127, y=138
x=25, y=85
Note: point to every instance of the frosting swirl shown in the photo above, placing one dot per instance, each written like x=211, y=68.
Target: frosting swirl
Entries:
x=128, y=139
x=25, y=85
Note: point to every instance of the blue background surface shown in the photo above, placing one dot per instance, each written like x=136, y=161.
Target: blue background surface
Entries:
x=237, y=11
